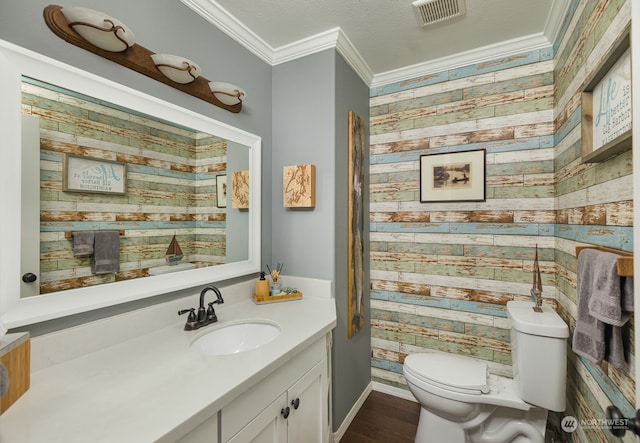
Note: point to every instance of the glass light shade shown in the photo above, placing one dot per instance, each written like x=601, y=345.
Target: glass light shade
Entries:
x=176, y=68
x=99, y=29
x=227, y=93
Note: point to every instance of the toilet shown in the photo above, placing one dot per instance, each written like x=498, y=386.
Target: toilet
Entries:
x=461, y=402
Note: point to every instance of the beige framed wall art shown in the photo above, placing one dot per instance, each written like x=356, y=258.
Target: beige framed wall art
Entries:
x=299, y=186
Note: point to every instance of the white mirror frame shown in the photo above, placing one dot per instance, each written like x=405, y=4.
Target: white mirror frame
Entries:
x=16, y=311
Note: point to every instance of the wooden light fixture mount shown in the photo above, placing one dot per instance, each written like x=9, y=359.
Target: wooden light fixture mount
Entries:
x=135, y=57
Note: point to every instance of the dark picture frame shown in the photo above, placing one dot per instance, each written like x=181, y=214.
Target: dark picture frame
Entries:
x=221, y=191
x=453, y=177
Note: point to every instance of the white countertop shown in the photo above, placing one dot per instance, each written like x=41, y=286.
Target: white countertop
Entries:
x=151, y=386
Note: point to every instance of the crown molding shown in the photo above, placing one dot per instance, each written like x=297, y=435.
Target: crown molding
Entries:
x=333, y=38
x=211, y=11
x=232, y=27
x=227, y=23
x=555, y=19
x=306, y=46
x=353, y=58
x=467, y=58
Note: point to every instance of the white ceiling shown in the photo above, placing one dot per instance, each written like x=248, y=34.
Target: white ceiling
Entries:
x=381, y=39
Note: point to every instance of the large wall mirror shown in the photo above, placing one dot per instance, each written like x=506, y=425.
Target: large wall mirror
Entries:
x=83, y=155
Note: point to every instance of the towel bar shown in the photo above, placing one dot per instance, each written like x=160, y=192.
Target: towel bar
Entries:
x=624, y=262
x=69, y=234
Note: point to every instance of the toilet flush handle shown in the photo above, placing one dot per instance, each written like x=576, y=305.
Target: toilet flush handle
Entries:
x=619, y=425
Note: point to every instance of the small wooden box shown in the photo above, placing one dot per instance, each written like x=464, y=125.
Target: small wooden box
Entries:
x=15, y=355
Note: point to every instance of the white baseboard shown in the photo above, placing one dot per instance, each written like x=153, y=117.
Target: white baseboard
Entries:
x=351, y=415
x=392, y=390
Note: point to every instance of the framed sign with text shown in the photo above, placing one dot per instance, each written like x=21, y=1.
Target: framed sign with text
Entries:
x=85, y=174
x=606, y=107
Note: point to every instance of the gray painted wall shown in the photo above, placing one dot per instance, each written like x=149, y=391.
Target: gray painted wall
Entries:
x=303, y=128
x=237, y=219
x=351, y=356
x=162, y=26
x=311, y=100
x=300, y=108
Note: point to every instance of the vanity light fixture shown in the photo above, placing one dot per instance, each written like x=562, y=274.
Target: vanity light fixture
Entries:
x=176, y=68
x=107, y=37
x=99, y=29
x=227, y=93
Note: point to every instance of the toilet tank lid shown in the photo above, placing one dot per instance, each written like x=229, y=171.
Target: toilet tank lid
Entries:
x=456, y=372
x=546, y=323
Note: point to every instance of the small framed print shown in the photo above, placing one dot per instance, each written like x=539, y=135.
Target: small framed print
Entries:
x=240, y=189
x=221, y=191
x=299, y=186
x=451, y=177
x=85, y=174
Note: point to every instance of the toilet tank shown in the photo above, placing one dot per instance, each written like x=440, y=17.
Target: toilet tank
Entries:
x=539, y=354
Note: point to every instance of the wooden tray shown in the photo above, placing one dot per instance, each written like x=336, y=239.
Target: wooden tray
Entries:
x=276, y=298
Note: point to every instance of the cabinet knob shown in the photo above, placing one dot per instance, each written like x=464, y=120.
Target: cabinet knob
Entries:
x=285, y=412
x=295, y=403
x=29, y=277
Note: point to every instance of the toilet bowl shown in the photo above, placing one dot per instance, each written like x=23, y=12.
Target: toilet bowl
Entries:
x=461, y=402
x=480, y=407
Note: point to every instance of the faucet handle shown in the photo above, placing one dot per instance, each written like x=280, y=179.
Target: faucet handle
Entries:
x=211, y=313
x=192, y=321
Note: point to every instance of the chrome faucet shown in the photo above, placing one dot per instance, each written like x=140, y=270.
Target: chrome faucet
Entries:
x=205, y=316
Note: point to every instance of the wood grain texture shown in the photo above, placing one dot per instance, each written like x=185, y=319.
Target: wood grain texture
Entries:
x=384, y=418
x=18, y=365
x=436, y=268
x=171, y=187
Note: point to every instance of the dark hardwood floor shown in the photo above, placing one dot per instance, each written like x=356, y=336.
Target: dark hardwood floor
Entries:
x=384, y=418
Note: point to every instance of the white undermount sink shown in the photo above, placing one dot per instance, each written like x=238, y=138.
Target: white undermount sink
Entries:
x=236, y=337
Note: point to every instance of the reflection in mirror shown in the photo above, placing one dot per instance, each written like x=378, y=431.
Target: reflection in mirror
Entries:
x=171, y=174
x=162, y=185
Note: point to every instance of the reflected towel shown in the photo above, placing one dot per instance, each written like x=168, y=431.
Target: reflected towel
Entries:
x=4, y=380
x=82, y=243
x=106, y=252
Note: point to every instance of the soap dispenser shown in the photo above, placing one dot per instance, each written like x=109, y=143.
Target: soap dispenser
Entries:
x=262, y=286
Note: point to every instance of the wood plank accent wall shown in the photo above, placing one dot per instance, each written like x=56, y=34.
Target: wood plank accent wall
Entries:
x=594, y=203
x=171, y=187
x=441, y=274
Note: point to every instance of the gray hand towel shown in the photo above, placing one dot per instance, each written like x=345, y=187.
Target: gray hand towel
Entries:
x=594, y=339
x=588, y=336
x=614, y=351
x=627, y=294
x=605, y=299
x=4, y=380
x=82, y=243
x=106, y=252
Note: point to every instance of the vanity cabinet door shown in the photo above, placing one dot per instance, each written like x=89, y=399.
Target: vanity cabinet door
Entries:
x=269, y=426
x=289, y=405
x=309, y=401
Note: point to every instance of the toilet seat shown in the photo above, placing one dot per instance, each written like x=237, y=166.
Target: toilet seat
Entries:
x=449, y=372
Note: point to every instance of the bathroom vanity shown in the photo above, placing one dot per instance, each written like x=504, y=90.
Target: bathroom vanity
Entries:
x=136, y=378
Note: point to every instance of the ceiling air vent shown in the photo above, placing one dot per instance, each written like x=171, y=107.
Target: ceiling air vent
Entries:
x=429, y=12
